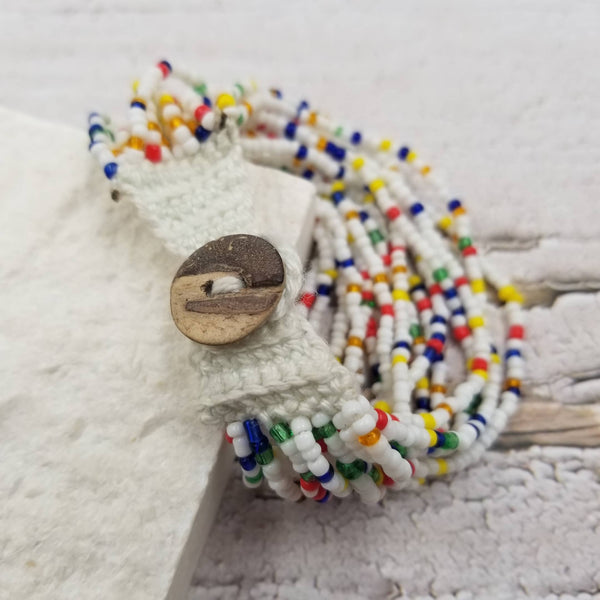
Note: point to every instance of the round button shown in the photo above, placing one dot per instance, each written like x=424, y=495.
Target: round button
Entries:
x=227, y=289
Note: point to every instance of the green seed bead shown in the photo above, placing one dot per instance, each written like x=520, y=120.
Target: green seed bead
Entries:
x=200, y=89
x=376, y=236
x=240, y=120
x=451, y=441
x=401, y=449
x=351, y=470
x=375, y=475
x=281, y=432
x=264, y=458
x=326, y=431
x=240, y=87
x=338, y=132
x=370, y=303
x=254, y=479
x=464, y=242
x=308, y=476
x=440, y=274
x=474, y=405
x=415, y=330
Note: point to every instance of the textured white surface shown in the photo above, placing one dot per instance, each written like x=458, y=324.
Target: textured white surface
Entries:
x=501, y=96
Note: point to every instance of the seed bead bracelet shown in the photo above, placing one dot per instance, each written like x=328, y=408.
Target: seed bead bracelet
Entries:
x=336, y=380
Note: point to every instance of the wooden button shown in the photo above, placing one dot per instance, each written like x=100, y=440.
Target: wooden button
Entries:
x=222, y=318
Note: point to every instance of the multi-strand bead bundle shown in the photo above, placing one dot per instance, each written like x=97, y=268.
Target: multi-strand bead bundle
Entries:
x=395, y=288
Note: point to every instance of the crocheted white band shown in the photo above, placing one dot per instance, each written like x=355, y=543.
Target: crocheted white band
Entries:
x=282, y=370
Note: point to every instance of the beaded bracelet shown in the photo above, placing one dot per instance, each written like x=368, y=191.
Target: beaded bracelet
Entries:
x=336, y=381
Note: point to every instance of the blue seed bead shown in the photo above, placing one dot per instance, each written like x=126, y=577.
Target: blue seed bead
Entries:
x=515, y=390
x=95, y=129
x=327, y=477
x=493, y=349
x=458, y=311
x=418, y=286
x=438, y=319
x=302, y=152
x=430, y=354
x=339, y=154
x=303, y=105
x=364, y=215
x=340, y=174
x=356, y=138
x=441, y=439
x=478, y=417
x=439, y=357
x=349, y=262
x=290, y=130
x=206, y=100
x=512, y=352
x=330, y=148
x=475, y=428
x=454, y=204
x=110, y=169
x=254, y=433
x=375, y=370
x=324, y=498
x=450, y=293
x=308, y=174
x=403, y=152
x=138, y=104
x=324, y=289
x=337, y=197
x=438, y=336
x=167, y=64
x=402, y=345
x=276, y=93
x=247, y=462
x=201, y=133
x=423, y=403
x=92, y=115
x=416, y=208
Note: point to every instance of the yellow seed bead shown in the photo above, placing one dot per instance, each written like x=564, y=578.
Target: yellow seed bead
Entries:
x=338, y=358
x=445, y=222
x=469, y=363
x=175, y=122
x=410, y=157
x=495, y=359
x=371, y=438
x=312, y=118
x=438, y=388
x=509, y=294
x=418, y=258
x=375, y=185
x=428, y=420
x=350, y=238
x=459, y=211
x=399, y=269
x=136, y=143
x=383, y=405
x=248, y=106
x=478, y=286
x=414, y=280
x=433, y=437
x=322, y=144
x=425, y=170
x=512, y=383
x=152, y=126
x=476, y=322
x=483, y=374
x=353, y=287
x=166, y=99
x=369, y=198
x=446, y=407
x=355, y=341
x=399, y=358
x=352, y=214
x=338, y=186
x=225, y=101
x=332, y=273
x=358, y=163
x=135, y=84
x=385, y=145
x=442, y=466
x=380, y=278
x=423, y=383
x=400, y=295
x=422, y=480
x=419, y=340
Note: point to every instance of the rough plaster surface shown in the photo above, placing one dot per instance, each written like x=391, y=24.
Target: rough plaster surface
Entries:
x=502, y=97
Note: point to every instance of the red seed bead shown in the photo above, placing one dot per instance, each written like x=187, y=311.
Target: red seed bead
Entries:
x=153, y=153
x=412, y=467
x=200, y=112
x=394, y=417
x=367, y=296
x=461, y=332
x=516, y=331
x=401, y=248
x=387, y=480
x=382, y=419
x=469, y=251
x=393, y=213
x=323, y=445
x=308, y=299
x=387, y=260
x=423, y=304
x=371, y=327
x=164, y=69
x=387, y=309
x=309, y=486
x=461, y=281
x=436, y=288
x=320, y=494
x=228, y=438
x=479, y=364
x=436, y=344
